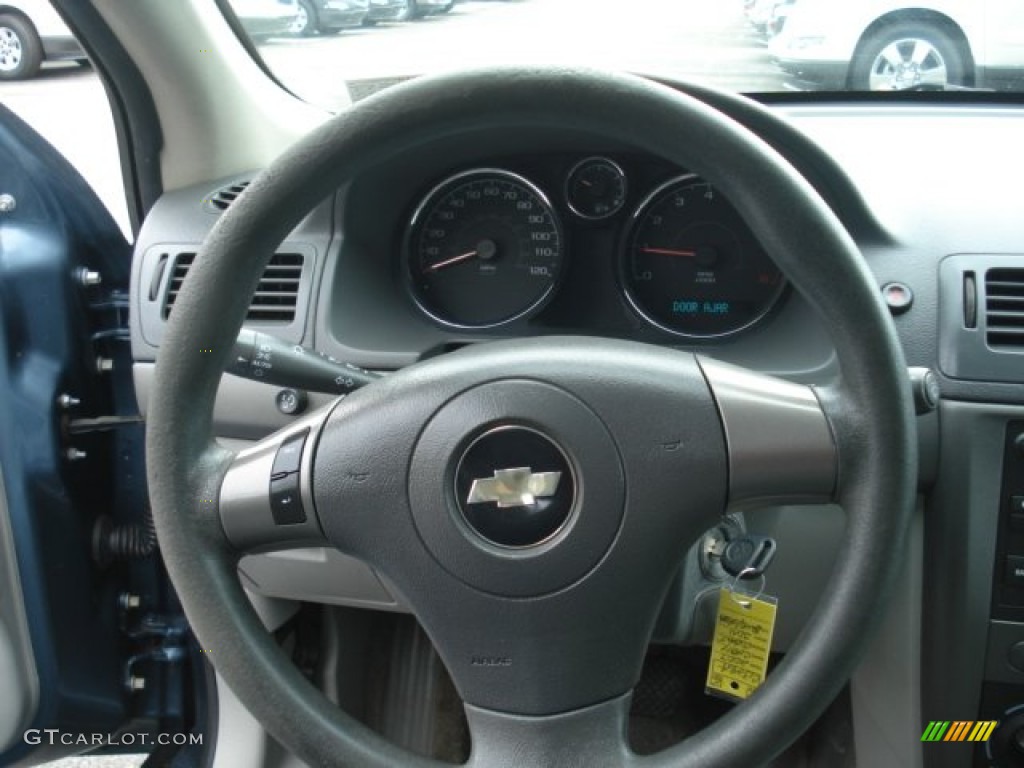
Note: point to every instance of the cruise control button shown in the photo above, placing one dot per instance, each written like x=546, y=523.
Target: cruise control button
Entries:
x=289, y=455
x=285, y=501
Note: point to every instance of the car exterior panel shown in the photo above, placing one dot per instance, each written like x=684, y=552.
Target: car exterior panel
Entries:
x=820, y=38
x=387, y=10
x=433, y=6
x=266, y=18
x=61, y=48
x=341, y=14
x=58, y=43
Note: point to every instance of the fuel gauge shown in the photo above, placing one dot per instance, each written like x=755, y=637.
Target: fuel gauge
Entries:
x=596, y=188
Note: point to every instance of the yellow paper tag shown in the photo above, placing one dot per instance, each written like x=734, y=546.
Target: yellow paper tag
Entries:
x=742, y=642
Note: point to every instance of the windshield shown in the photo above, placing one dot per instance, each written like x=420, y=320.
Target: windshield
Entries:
x=319, y=47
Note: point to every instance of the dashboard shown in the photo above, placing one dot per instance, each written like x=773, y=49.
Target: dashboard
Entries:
x=487, y=246
x=468, y=238
x=623, y=273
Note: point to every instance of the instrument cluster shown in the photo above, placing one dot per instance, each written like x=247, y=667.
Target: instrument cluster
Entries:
x=490, y=245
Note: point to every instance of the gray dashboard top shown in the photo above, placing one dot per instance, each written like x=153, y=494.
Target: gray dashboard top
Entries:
x=934, y=180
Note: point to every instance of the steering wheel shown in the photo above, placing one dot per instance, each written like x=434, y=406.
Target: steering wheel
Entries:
x=539, y=589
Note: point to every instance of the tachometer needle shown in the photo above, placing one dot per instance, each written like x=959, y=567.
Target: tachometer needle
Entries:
x=452, y=261
x=669, y=252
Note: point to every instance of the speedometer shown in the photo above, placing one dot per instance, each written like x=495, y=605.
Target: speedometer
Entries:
x=692, y=267
x=484, y=248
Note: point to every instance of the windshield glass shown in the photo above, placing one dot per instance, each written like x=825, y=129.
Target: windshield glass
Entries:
x=318, y=47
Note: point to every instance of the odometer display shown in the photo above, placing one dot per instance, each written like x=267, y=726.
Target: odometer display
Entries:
x=484, y=248
x=692, y=267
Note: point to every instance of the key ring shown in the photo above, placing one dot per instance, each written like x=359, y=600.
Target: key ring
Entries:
x=741, y=602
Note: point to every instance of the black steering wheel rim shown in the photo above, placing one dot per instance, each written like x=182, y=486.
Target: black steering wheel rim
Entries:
x=870, y=410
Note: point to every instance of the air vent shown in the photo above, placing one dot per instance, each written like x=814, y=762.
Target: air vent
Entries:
x=225, y=196
x=278, y=290
x=181, y=264
x=1004, y=307
x=276, y=295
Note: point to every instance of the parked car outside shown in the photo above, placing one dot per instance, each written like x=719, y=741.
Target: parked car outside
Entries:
x=328, y=16
x=892, y=45
x=759, y=14
x=31, y=32
x=779, y=15
x=388, y=10
x=430, y=7
x=266, y=18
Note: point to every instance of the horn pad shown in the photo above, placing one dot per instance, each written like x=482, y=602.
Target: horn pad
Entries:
x=515, y=487
x=531, y=493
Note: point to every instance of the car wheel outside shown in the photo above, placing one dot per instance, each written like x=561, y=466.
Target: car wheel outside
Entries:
x=21, y=53
x=305, y=23
x=908, y=55
x=414, y=12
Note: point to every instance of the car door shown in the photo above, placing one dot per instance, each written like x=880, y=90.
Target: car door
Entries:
x=1005, y=35
x=94, y=651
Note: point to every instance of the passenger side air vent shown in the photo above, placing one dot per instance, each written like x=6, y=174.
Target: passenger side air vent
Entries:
x=222, y=199
x=981, y=317
x=1004, y=307
x=276, y=295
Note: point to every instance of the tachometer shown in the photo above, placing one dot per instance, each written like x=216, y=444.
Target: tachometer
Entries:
x=692, y=267
x=484, y=248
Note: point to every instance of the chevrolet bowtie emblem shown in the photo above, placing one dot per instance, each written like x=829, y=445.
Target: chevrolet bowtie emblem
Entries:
x=519, y=487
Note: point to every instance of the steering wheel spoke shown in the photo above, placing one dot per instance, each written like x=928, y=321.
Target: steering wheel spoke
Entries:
x=781, y=444
x=501, y=739
x=266, y=499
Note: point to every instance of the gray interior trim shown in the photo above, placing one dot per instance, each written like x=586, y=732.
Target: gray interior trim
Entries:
x=1002, y=636
x=179, y=222
x=246, y=118
x=809, y=539
x=321, y=575
x=964, y=352
x=885, y=689
x=273, y=612
x=244, y=410
x=153, y=286
x=960, y=544
x=19, y=693
x=248, y=744
x=755, y=410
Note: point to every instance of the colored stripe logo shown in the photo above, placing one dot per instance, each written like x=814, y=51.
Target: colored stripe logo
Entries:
x=959, y=730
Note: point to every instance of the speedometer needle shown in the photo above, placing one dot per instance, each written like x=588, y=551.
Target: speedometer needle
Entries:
x=452, y=261
x=669, y=252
